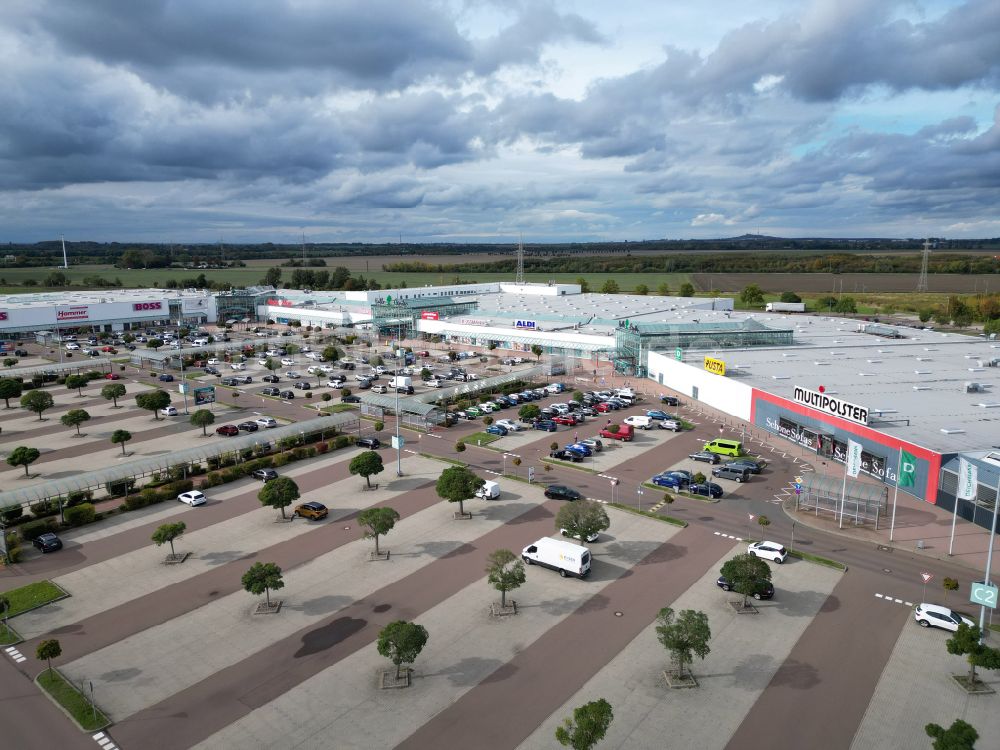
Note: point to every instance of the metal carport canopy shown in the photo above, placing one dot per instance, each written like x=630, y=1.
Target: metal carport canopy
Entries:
x=143, y=466
x=90, y=363
x=520, y=338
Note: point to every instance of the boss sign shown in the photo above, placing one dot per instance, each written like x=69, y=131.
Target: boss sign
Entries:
x=141, y=306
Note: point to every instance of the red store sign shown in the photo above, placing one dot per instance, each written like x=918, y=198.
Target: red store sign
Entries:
x=141, y=306
x=429, y=315
x=3, y=316
x=77, y=312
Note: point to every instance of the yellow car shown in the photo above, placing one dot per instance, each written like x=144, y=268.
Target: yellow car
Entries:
x=312, y=510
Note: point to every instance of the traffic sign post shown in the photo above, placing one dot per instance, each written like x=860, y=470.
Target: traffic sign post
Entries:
x=926, y=577
x=984, y=594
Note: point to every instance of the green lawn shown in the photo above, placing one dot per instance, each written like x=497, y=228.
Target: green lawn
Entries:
x=480, y=438
x=31, y=596
x=336, y=408
x=8, y=635
x=67, y=696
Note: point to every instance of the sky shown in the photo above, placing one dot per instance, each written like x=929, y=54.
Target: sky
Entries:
x=485, y=121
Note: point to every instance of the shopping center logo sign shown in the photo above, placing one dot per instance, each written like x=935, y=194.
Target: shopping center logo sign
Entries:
x=831, y=405
x=525, y=325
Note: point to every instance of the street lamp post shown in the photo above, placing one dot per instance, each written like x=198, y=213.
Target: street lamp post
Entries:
x=399, y=447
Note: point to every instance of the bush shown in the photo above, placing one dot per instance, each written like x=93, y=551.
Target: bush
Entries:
x=120, y=487
x=80, y=514
x=281, y=460
x=342, y=441
x=322, y=448
x=14, y=554
x=11, y=515
x=134, y=502
x=213, y=479
x=79, y=496
x=34, y=529
x=44, y=508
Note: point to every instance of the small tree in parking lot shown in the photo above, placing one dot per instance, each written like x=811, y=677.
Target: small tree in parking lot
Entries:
x=263, y=578
x=537, y=351
x=582, y=519
x=529, y=412
x=203, y=418
x=746, y=574
x=401, y=642
x=457, y=484
x=588, y=726
x=37, y=401
x=167, y=533
x=48, y=650
x=121, y=437
x=966, y=642
x=279, y=493
x=367, y=465
x=378, y=522
x=77, y=382
x=505, y=572
x=113, y=392
x=959, y=736
x=685, y=634
x=23, y=456
x=75, y=418
x=10, y=388
x=153, y=401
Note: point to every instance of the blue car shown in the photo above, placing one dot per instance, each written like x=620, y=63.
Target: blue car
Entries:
x=669, y=480
x=495, y=429
x=657, y=414
x=708, y=489
x=583, y=450
x=165, y=378
x=545, y=424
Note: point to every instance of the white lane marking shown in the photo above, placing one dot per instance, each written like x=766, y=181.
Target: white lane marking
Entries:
x=893, y=600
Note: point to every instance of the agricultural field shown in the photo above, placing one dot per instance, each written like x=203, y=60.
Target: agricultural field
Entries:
x=847, y=283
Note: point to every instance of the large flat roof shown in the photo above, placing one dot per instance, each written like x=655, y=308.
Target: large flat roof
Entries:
x=920, y=377
x=96, y=296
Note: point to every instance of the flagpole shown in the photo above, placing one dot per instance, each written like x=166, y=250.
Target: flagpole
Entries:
x=843, y=494
x=989, y=560
x=895, y=495
x=954, y=518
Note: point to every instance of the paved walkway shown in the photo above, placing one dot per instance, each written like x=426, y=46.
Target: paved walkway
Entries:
x=746, y=651
x=465, y=647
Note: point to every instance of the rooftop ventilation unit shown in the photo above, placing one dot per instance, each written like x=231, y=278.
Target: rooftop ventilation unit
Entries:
x=974, y=387
x=821, y=364
x=991, y=405
x=952, y=430
x=921, y=372
x=874, y=361
x=921, y=387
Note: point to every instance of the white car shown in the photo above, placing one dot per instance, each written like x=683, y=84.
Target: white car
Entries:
x=213, y=361
x=170, y=411
x=263, y=362
x=327, y=368
x=591, y=538
x=192, y=498
x=488, y=407
x=670, y=424
x=509, y=424
x=238, y=366
x=639, y=422
x=71, y=347
x=335, y=384
x=287, y=362
x=769, y=551
x=267, y=422
x=263, y=334
x=936, y=616
x=314, y=370
x=381, y=370
x=273, y=353
x=293, y=374
x=434, y=383
x=314, y=355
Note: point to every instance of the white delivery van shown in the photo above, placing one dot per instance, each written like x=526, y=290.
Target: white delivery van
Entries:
x=200, y=342
x=489, y=490
x=400, y=381
x=568, y=558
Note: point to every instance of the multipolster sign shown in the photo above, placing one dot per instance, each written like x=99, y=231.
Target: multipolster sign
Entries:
x=831, y=405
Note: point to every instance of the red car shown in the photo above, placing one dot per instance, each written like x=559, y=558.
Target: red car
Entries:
x=112, y=376
x=565, y=419
x=602, y=407
x=229, y=430
x=423, y=354
x=109, y=349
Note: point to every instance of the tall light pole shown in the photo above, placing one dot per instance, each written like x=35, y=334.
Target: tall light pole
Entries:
x=399, y=445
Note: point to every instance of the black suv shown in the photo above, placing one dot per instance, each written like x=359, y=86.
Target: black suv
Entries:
x=47, y=542
x=561, y=492
x=567, y=455
x=368, y=442
x=669, y=400
x=271, y=391
x=759, y=590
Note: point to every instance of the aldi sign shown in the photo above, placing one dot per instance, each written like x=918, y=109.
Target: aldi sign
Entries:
x=525, y=325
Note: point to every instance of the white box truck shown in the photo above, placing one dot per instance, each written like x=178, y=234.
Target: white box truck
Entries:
x=568, y=558
x=786, y=307
x=489, y=490
x=400, y=381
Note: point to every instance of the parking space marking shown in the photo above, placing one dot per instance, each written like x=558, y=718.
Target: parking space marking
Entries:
x=104, y=741
x=728, y=536
x=893, y=600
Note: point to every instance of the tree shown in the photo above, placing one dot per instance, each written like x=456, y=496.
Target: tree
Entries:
x=122, y=437
x=37, y=401
x=425, y=373
x=684, y=636
x=75, y=418
x=378, y=522
x=610, y=287
x=537, y=351
x=272, y=364
x=331, y=354
x=401, y=642
x=664, y=289
x=77, y=382
x=578, y=396
x=166, y=534
x=279, y=493
x=966, y=642
x=529, y=412
x=379, y=426
x=846, y=305
x=790, y=297
x=763, y=521
x=153, y=401
x=687, y=289
x=505, y=572
x=584, y=285
x=23, y=456
x=642, y=290
x=752, y=295
x=263, y=578
x=154, y=343
x=582, y=519
x=959, y=736
x=366, y=464
x=9, y=362
x=747, y=574
x=113, y=392
x=457, y=484
x=203, y=418
x=588, y=726
x=48, y=650
x=10, y=388
x=272, y=277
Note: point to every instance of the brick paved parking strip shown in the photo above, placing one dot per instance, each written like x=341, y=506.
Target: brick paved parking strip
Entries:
x=545, y=674
x=466, y=645
x=746, y=652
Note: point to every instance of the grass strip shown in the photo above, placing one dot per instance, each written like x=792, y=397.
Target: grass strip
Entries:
x=337, y=408
x=817, y=559
x=480, y=439
x=649, y=514
x=681, y=493
x=8, y=636
x=569, y=465
x=72, y=700
x=32, y=596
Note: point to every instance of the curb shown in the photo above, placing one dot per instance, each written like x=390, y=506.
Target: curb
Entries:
x=58, y=705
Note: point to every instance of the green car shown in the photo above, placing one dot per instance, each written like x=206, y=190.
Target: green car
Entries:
x=473, y=411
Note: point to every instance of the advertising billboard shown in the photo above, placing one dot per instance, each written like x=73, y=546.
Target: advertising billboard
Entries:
x=204, y=395
x=430, y=315
x=831, y=405
x=73, y=312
